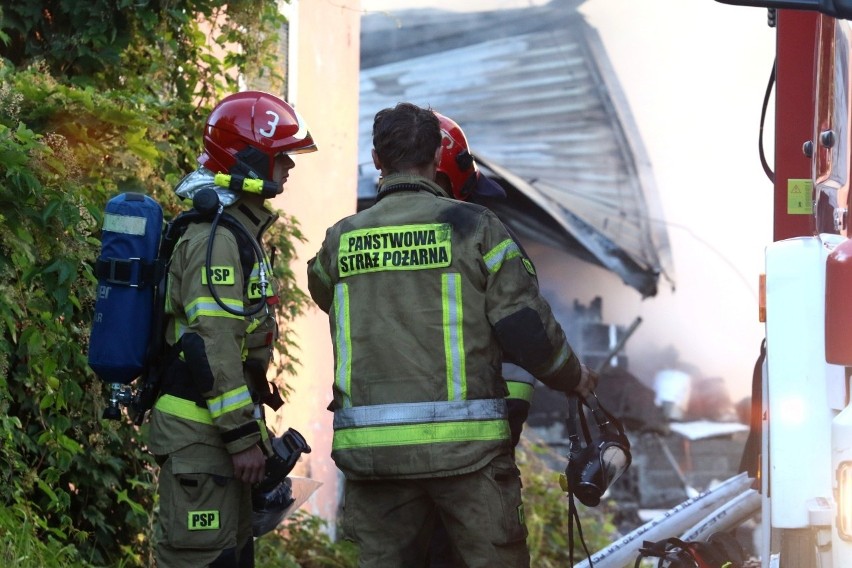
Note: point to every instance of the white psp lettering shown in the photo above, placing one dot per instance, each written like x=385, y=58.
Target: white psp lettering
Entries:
x=272, y=124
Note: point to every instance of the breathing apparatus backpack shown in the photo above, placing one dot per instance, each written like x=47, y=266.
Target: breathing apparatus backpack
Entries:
x=129, y=272
x=127, y=339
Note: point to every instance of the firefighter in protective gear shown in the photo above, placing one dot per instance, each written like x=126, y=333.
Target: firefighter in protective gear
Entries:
x=459, y=176
x=457, y=173
x=426, y=295
x=207, y=430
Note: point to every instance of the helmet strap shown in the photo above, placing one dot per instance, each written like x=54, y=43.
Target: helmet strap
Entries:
x=469, y=186
x=252, y=163
x=464, y=160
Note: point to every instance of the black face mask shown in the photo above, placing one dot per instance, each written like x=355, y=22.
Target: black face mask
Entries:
x=593, y=467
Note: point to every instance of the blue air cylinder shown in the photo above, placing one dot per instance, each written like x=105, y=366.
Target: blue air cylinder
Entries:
x=127, y=281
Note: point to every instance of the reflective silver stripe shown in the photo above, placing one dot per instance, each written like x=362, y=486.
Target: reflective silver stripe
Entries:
x=453, y=338
x=502, y=252
x=343, y=343
x=125, y=224
x=229, y=401
x=420, y=413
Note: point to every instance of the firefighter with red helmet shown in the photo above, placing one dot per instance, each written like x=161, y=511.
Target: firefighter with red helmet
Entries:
x=459, y=175
x=207, y=430
x=425, y=296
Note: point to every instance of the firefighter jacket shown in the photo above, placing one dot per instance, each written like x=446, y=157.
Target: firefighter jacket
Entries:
x=211, y=390
x=425, y=295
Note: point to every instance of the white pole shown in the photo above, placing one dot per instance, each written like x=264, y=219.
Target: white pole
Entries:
x=673, y=522
x=732, y=514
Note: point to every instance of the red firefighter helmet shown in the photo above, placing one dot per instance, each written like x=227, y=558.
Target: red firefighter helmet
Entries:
x=459, y=166
x=246, y=130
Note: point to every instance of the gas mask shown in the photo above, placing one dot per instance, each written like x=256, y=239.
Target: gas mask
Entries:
x=595, y=464
x=273, y=498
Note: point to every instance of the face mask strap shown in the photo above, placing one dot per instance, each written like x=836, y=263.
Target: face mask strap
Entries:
x=576, y=417
x=608, y=425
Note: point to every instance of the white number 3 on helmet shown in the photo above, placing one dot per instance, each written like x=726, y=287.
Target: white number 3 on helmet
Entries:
x=273, y=122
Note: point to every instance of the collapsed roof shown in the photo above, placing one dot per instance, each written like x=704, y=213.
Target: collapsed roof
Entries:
x=534, y=92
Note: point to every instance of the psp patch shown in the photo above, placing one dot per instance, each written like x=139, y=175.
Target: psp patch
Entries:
x=203, y=520
x=222, y=275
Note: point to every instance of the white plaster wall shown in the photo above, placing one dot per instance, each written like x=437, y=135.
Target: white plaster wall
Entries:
x=324, y=56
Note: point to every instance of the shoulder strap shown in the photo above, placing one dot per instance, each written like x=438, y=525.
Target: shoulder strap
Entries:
x=244, y=245
x=177, y=227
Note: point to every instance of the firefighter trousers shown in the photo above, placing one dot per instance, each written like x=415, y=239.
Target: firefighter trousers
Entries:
x=392, y=520
x=205, y=514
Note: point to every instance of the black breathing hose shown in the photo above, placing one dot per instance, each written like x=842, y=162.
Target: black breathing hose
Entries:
x=259, y=256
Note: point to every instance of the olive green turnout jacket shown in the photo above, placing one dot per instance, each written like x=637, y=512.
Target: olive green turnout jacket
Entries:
x=425, y=295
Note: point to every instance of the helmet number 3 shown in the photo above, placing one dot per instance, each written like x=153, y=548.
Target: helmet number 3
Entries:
x=273, y=122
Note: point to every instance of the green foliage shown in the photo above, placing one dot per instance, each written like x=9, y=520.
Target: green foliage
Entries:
x=95, y=100
x=21, y=546
x=303, y=542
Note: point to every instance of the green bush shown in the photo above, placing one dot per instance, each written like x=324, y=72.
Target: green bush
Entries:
x=303, y=542
x=87, y=111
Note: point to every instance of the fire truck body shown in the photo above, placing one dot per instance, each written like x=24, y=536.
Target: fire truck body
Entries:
x=806, y=451
x=803, y=463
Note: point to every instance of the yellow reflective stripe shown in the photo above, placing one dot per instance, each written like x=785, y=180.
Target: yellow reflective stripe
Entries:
x=207, y=306
x=416, y=434
x=320, y=272
x=177, y=330
x=451, y=301
x=183, y=408
x=230, y=401
x=251, y=185
x=342, y=343
x=400, y=247
x=520, y=391
x=495, y=258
